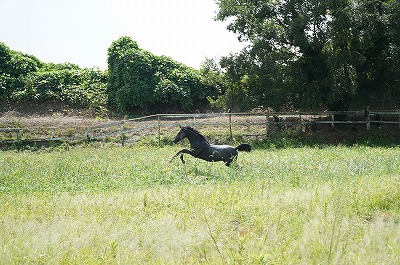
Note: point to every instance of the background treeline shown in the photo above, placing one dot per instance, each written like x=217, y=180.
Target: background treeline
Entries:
x=136, y=81
x=337, y=54
x=301, y=55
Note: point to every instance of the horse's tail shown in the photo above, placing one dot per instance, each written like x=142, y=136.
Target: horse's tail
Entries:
x=244, y=147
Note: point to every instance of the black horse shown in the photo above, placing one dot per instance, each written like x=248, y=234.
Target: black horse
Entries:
x=201, y=148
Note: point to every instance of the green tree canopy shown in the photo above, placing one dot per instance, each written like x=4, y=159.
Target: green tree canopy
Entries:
x=317, y=54
x=139, y=80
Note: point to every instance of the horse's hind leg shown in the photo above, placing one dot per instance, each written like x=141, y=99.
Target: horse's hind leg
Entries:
x=183, y=151
x=228, y=163
x=233, y=158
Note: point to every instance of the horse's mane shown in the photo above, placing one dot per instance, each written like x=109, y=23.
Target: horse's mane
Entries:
x=196, y=132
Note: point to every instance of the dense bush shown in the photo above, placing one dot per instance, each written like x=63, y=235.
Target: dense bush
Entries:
x=24, y=78
x=13, y=66
x=79, y=88
x=139, y=80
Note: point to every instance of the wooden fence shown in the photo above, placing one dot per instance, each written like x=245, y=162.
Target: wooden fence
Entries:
x=256, y=124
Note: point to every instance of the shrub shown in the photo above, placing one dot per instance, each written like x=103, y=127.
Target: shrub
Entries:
x=141, y=80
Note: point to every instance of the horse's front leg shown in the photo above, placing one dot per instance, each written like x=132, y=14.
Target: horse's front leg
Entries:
x=183, y=151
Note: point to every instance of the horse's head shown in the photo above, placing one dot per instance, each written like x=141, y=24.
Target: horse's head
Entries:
x=181, y=135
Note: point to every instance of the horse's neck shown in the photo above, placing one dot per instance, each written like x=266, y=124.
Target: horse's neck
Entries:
x=194, y=139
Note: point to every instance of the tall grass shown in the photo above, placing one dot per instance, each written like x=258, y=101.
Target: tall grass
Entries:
x=331, y=205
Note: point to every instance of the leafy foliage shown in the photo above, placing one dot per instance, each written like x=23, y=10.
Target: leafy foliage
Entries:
x=140, y=80
x=317, y=54
x=233, y=88
x=80, y=88
x=25, y=78
x=13, y=65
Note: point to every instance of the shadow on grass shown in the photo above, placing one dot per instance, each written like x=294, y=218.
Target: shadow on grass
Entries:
x=336, y=137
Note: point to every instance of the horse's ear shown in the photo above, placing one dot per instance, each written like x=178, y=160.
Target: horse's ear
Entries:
x=180, y=126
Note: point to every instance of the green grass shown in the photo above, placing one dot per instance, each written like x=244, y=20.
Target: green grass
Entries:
x=114, y=205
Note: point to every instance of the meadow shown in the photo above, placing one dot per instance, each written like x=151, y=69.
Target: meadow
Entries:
x=128, y=205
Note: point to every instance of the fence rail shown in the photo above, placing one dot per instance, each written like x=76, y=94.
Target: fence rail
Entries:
x=133, y=129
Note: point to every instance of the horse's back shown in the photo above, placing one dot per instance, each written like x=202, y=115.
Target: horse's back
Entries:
x=225, y=150
x=222, y=147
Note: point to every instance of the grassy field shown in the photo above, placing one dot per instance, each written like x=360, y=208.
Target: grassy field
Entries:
x=115, y=205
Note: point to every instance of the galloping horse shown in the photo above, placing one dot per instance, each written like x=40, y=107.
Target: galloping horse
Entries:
x=201, y=148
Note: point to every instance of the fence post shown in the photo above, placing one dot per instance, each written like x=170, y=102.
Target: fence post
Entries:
x=121, y=128
x=87, y=134
x=159, y=129
x=301, y=123
x=230, y=126
x=333, y=120
x=18, y=136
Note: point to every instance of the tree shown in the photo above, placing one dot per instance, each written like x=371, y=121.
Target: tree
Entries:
x=378, y=43
x=13, y=66
x=5, y=57
x=317, y=54
x=139, y=80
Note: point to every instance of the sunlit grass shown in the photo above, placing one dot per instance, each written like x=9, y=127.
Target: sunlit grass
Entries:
x=275, y=206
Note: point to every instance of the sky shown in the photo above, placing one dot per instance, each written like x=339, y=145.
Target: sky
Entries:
x=80, y=31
